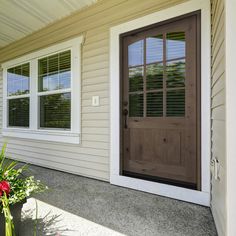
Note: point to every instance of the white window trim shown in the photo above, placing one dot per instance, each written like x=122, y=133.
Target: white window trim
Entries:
x=200, y=197
x=66, y=136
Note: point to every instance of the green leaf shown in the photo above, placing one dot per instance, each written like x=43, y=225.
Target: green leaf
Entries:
x=2, y=155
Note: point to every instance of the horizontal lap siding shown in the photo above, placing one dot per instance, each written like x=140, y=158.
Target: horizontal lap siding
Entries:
x=218, y=114
x=91, y=157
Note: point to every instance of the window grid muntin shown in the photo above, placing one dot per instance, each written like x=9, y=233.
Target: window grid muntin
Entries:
x=164, y=89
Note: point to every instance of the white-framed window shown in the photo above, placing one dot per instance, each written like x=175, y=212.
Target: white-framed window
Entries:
x=41, y=94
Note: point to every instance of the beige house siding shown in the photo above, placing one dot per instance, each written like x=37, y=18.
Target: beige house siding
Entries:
x=218, y=203
x=91, y=157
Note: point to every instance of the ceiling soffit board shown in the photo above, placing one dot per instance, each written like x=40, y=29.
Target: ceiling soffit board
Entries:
x=20, y=18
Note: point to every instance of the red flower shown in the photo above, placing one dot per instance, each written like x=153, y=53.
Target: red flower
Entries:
x=4, y=187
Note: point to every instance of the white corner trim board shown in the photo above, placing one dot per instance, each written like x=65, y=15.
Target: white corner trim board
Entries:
x=230, y=9
x=200, y=197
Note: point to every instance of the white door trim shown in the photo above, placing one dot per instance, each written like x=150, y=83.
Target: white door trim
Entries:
x=200, y=197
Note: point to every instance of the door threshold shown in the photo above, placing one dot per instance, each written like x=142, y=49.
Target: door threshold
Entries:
x=161, y=180
x=166, y=190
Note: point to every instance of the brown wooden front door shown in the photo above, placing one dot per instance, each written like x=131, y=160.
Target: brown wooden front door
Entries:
x=160, y=107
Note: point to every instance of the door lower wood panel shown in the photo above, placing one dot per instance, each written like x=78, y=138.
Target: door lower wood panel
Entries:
x=160, y=105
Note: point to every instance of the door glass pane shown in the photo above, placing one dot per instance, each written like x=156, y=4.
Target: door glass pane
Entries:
x=55, y=111
x=154, y=49
x=55, y=72
x=135, y=63
x=135, y=105
x=136, y=78
x=135, y=53
x=18, y=80
x=175, y=103
x=18, y=112
x=154, y=76
x=155, y=104
x=175, y=71
x=175, y=45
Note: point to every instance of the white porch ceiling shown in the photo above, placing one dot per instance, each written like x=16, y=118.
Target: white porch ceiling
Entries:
x=19, y=18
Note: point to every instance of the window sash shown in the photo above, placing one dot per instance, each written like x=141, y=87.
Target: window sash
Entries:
x=21, y=120
x=54, y=92
x=60, y=68
x=12, y=72
x=40, y=113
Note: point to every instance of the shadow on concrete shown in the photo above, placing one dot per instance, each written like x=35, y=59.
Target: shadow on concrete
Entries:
x=48, y=225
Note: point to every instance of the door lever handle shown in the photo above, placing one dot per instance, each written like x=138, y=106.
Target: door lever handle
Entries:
x=125, y=112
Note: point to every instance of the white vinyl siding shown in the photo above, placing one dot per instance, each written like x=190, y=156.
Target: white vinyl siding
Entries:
x=218, y=203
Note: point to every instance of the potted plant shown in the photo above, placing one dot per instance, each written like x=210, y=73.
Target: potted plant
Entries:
x=14, y=190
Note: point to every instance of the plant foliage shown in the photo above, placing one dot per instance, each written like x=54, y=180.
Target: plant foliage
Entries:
x=14, y=187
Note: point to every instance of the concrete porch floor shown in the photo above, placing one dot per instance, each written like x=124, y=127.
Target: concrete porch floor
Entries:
x=76, y=205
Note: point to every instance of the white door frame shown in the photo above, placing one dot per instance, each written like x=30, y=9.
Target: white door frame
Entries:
x=200, y=197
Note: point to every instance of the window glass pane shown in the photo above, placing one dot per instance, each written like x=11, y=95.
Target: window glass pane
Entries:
x=64, y=79
x=18, y=112
x=175, y=71
x=18, y=80
x=154, y=49
x=43, y=66
x=53, y=66
x=175, y=44
x=175, y=103
x=65, y=69
x=154, y=76
x=55, y=111
x=48, y=82
x=64, y=61
x=155, y=104
x=135, y=53
x=135, y=105
x=55, y=72
x=136, y=79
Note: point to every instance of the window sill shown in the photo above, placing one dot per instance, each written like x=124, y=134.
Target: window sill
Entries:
x=44, y=135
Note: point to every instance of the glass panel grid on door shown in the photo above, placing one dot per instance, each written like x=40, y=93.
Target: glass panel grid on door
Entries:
x=156, y=72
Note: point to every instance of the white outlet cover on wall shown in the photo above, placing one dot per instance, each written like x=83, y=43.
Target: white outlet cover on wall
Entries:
x=95, y=101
